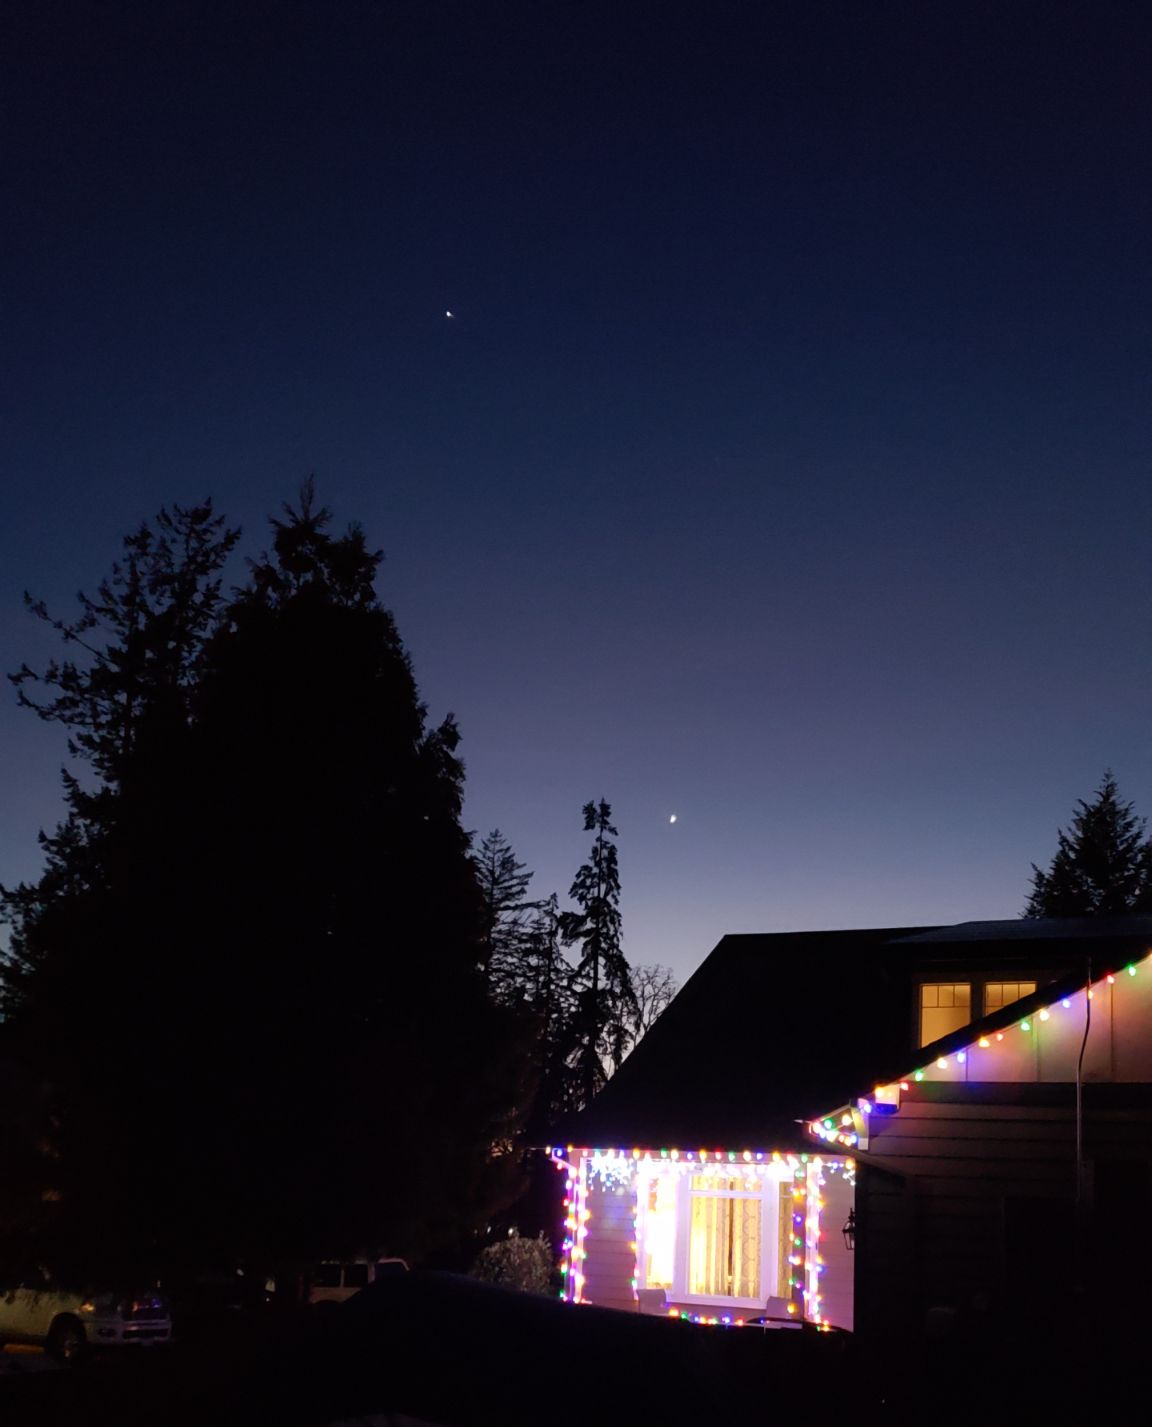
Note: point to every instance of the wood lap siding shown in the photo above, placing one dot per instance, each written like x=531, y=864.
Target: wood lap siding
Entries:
x=611, y=1261
x=981, y=1193
x=999, y=1149
x=836, y=1282
x=962, y=1163
x=885, y=1283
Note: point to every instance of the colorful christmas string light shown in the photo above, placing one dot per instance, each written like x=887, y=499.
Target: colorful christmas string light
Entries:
x=825, y=1128
x=621, y=1169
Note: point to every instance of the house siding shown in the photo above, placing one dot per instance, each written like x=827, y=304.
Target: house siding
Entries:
x=836, y=1282
x=609, y=1264
x=977, y=1194
x=610, y=1244
x=883, y=1266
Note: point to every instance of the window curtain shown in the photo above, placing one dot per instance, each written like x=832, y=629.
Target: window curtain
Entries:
x=724, y=1247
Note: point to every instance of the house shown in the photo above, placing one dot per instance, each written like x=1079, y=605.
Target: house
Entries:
x=875, y=1129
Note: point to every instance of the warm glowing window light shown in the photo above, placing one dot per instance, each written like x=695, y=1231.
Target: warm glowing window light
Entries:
x=725, y=1246
x=657, y=1227
x=831, y=1128
x=945, y=1006
x=706, y=1229
x=998, y=994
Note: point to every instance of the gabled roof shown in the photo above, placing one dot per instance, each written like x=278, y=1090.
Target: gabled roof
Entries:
x=773, y=1029
x=750, y=1042
x=1037, y=929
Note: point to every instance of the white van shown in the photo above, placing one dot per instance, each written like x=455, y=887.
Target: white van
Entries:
x=336, y=1280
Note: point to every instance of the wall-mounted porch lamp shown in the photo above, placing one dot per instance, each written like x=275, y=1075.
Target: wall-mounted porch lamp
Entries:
x=849, y=1230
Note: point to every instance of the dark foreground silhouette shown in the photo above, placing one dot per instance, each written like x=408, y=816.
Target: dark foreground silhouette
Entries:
x=454, y=1352
x=443, y=1350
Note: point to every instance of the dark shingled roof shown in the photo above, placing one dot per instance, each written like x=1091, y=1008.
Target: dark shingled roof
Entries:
x=773, y=1029
x=1052, y=929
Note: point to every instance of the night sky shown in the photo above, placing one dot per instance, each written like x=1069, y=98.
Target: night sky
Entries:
x=785, y=465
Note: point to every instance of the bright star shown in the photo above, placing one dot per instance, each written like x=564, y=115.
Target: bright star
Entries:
x=672, y=819
x=449, y=314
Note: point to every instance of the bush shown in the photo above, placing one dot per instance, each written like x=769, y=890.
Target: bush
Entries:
x=523, y=1264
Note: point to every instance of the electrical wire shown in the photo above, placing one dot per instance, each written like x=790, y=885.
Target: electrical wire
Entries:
x=1080, y=1092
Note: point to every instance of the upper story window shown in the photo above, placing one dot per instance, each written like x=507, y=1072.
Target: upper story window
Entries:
x=1003, y=993
x=945, y=1006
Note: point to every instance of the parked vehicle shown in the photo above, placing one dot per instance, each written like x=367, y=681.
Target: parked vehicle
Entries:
x=68, y=1323
x=335, y=1281
x=794, y=1325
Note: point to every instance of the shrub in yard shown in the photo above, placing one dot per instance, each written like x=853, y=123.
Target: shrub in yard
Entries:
x=524, y=1264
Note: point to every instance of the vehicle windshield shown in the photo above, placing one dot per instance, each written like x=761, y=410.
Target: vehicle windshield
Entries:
x=355, y=1275
x=326, y=1275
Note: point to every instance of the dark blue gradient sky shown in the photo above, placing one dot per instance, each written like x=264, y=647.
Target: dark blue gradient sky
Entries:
x=785, y=467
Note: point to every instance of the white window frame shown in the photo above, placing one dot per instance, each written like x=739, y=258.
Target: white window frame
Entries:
x=769, y=1197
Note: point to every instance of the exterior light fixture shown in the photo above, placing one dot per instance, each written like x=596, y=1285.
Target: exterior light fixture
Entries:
x=849, y=1230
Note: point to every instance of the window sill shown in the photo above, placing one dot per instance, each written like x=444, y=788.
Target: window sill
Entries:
x=718, y=1298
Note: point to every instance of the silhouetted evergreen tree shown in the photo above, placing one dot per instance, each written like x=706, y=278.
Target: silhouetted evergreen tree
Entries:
x=1103, y=862
x=526, y=970
x=503, y=881
x=126, y=701
x=546, y=971
x=87, y=982
x=605, y=1002
x=549, y=988
x=274, y=1040
x=345, y=894
x=144, y=635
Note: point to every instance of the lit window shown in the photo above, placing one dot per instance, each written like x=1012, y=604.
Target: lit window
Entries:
x=710, y=1235
x=659, y=1232
x=1003, y=993
x=945, y=1006
x=726, y=1242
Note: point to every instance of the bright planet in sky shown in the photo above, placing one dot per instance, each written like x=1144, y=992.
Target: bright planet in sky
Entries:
x=672, y=819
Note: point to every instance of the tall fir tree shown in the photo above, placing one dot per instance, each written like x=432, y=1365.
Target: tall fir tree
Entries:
x=87, y=970
x=605, y=1002
x=140, y=644
x=549, y=991
x=526, y=970
x=282, y=933
x=547, y=972
x=503, y=881
x=1103, y=862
